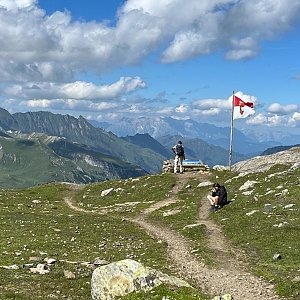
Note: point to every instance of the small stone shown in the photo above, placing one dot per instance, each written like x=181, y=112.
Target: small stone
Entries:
x=106, y=192
x=49, y=261
x=12, y=267
x=277, y=256
x=69, y=274
x=100, y=262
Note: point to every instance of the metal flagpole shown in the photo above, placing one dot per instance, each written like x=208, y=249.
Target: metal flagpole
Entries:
x=231, y=133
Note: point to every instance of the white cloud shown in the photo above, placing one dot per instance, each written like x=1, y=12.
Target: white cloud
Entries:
x=70, y=104
x=212, y=103
x=257, y=119
x=294, y=119
x=33, y=41
x=76, y=90
x=182, y=108
x=277, y=108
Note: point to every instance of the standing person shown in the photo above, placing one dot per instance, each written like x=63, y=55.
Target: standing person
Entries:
x=178, y=150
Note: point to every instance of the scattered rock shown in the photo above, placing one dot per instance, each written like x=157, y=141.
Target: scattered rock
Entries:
x=11, y=267
x=126, y=276
x=40, y=269
x=50, y=261
x=219, y=168
x=106, y=192
x=36, y=201
x=69, y=274
x=251, y=212
x=247, y=185
x=289, y=205
x=247, y=193
x=277, y=256
x=204, y=184
x=191, y=225
x=171, y=212
x=100, y=262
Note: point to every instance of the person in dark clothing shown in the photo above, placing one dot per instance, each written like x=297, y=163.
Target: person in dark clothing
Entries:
x=178, y=150
x=218, y=196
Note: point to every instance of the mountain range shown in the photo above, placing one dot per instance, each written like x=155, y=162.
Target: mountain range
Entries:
x=40, y=147
x=158, y=127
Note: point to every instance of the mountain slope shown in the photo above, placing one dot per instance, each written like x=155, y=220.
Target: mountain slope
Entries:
x=199, y=149
x=26, y=162
x=146, y=141
x=81, y=131
x=164, y=126
x=264, y=163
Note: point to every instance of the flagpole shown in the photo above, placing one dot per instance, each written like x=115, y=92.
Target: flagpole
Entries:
x=231, y=133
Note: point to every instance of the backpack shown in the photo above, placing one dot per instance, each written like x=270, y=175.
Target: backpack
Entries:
x=223, y=195
x=179, y=150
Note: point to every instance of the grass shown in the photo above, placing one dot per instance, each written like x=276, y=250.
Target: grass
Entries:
x=128, y=196
x=37, y=223
x=50, y=229
x=265, y=222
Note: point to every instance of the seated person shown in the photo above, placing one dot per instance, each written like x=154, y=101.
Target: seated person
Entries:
x=218, y=196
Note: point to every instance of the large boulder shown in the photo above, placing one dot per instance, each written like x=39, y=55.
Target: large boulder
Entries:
x=126, y=276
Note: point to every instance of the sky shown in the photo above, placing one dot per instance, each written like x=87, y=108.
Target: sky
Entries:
x=110, y=59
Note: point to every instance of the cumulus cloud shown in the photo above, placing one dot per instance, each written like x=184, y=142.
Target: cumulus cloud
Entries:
x=294, y=119
x=70, y=104
x=257, y=119
x=76, y=90
x=277, y=108
x=32, y=40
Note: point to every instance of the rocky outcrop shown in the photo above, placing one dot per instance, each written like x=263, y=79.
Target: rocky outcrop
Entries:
x=126, y=276
x=264, y=163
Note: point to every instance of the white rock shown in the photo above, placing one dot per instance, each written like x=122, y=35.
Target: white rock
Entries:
x=248, y=184
x=40, y=269
x=205, y=183
x=126, y=276
x=247, y=193
x=36, y=201
x=289, y=205
x=251, y=212
x=106, y=192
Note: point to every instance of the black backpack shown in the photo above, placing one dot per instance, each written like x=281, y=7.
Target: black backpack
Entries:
x=179, y=150
x=223, y=195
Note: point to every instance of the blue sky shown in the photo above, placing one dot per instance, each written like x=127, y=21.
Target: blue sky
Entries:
x=110, y=59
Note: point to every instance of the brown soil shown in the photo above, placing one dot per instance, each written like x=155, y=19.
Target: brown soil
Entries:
x=229, y=276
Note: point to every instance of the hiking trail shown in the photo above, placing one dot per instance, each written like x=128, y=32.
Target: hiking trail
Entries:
x=228, y=277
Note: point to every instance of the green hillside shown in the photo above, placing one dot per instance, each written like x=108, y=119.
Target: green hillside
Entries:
x=260, y=221
x=28, y=162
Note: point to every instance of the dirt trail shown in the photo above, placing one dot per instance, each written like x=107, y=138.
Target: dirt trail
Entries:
x=229, y=277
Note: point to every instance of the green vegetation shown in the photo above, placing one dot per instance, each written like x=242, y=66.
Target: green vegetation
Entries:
x=169, y=293
x=263, y=221
x=36, y=223
x=128, y=196
x=25, y=163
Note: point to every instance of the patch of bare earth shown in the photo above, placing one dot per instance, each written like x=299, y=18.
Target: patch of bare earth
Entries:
x=229, y=276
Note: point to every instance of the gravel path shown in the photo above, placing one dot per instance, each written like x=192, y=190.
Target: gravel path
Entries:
x=229, y=277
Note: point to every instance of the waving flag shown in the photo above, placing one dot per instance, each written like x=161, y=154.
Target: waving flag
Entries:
x=241, y=108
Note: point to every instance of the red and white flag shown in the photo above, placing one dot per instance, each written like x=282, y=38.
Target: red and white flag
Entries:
x=242, y=109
